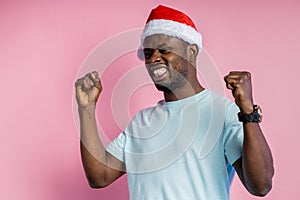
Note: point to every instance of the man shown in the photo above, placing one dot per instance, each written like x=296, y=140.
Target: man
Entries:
x=160, y=150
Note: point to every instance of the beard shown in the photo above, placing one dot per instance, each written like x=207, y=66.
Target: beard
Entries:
x=176, y=81
x=177, y=78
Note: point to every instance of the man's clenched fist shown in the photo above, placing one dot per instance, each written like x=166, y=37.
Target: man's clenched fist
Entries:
x=240, y=85
x=88, y=89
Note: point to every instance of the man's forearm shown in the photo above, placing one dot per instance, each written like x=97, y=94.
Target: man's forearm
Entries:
x=89, y=133
x=257, y=160
x=93, y=153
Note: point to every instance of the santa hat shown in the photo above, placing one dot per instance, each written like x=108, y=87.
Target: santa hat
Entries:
x=171, y=22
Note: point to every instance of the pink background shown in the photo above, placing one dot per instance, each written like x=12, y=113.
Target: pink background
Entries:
x=43, y=44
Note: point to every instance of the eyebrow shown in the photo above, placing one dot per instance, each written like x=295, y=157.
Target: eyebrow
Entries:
x=163, y=45
x=160, y=46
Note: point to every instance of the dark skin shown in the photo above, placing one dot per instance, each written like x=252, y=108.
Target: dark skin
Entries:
x=176, y=60
x=101, y=168
x=177, y=57
x=255, y=168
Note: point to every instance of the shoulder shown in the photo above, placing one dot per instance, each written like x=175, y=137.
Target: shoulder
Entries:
x=223, y=107
x=221, y=100
x=146, y=112
x=145, y=116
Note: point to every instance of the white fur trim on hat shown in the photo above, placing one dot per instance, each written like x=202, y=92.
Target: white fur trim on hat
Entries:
x=172, y=28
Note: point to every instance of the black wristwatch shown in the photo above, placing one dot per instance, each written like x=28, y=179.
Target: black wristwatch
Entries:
x=255, y=116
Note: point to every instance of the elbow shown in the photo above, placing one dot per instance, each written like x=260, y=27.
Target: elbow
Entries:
x=97, y=186
x=98, y=183
x=262, y=189
x=262, y=186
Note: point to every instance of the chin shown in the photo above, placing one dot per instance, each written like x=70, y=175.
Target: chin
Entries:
x=162, y=88
x=171, y=86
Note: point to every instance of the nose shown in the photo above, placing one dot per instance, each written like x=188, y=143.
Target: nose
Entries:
x=155, y=57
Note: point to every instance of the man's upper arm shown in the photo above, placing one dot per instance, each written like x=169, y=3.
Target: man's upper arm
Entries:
x=115, y=158
x=115, y=168
x=238, y=166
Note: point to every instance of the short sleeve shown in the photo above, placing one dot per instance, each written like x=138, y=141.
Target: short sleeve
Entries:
x=233, y=134
x=117, y=146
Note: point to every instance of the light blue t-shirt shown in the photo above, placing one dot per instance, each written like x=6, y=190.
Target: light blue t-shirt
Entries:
x=182, y=149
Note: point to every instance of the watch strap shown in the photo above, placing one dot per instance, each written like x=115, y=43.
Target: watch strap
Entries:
x=255, y=116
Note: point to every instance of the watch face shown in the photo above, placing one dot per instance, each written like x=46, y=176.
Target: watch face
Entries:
x=259, y=111
x=256, y=116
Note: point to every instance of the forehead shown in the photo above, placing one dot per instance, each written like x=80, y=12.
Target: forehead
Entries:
x=160, y=40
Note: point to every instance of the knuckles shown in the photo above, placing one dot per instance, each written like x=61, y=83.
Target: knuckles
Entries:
x=246, y=75
x=89, y=81
x=240, y=75
x=237, y=78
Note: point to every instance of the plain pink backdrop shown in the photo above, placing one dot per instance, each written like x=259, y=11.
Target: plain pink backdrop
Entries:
x=43, y=44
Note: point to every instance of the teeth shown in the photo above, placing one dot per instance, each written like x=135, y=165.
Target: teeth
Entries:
x=159, y=72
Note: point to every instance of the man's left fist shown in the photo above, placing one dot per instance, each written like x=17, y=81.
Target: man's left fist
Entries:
x=240, y=85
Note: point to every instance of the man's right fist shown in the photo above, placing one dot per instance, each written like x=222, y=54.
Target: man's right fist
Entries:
x=88, y=89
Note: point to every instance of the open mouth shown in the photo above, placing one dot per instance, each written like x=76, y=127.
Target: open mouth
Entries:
x=159, y=73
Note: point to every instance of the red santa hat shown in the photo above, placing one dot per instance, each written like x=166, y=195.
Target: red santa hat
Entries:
x=171, y=22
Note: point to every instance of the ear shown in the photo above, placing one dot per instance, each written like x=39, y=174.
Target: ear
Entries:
x=192, y=52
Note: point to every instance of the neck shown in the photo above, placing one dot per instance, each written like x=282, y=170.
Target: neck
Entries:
x=185, y=91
